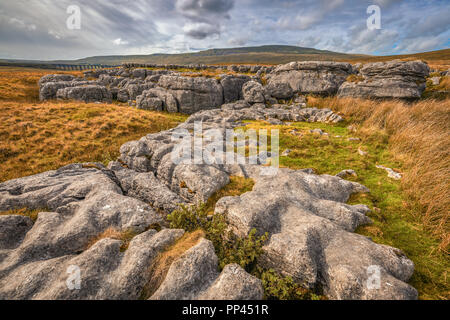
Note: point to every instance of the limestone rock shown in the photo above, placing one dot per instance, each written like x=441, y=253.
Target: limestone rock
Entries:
x=193, y=93
x=318, y=77
x=232, y=87
x=394, y=79
x=200, y=279
x=311, y=239
x=345, y=173
x=55, y=78
x=106, y=273
x=252, y=92
x=12, y=230
x=83, y=200
x=89, y=93
x=157, y=99
x=391, y=173
x=280, y=90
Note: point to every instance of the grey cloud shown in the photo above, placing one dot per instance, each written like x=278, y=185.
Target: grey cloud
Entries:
x=204, y=16
x=201, y=30
x=37, y=28
x=432, y=25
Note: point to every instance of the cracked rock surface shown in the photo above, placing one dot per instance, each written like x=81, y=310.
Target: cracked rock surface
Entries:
x=311, y=235
x=310, y=226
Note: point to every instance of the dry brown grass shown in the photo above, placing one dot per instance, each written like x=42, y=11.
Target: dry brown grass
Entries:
x=419, y=136
x=32, y=214
x=20, y=84
x=112, y=233
x=160, y=267
x=36, y=137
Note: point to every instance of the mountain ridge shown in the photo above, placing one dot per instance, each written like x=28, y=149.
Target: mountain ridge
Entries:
x=267, y=54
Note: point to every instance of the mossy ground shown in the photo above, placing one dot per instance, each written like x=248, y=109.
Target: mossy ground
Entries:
x=396, y=220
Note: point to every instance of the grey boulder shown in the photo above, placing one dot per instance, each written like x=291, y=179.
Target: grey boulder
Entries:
x=311, y=235
x=88, y=93
x=384, y=80
x=318, y=77
x=193, y=93
x=253, y=92
x=200, y=279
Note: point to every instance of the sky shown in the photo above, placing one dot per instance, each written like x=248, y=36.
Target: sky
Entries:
x=48, y=29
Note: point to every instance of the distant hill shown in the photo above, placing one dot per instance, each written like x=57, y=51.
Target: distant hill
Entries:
x=269, y=54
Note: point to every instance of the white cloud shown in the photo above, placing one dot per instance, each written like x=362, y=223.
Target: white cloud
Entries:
x=120, y=42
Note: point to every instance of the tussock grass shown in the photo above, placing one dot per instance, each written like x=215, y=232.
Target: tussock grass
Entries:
x=419, y=137
x=20, y=84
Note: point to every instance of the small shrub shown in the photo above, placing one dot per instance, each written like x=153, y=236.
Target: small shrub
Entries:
x=284, y=288
x=229, y=248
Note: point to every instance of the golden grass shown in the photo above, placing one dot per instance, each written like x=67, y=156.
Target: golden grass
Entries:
x=160, y=268
x=41, y=136
x=32, y=214
x=20, y=84
x=236, y=187
x=112, y=233
x=419, y=137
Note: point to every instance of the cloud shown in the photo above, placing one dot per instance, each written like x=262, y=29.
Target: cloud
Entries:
x=36, y=29
x=201, y=30
x=240, y=41
x=204, y=16
x=120, y=42
x=304, y=20
x=419, y=44
x=310, y=42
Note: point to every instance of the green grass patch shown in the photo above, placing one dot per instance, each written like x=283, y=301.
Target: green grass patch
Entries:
x=396, y=219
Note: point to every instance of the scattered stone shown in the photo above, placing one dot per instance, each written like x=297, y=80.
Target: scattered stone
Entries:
x=300, y=100
x=362, y=152
x=286, y=153
x=345, y=173
x=317, y=131
x=435, y=81
x=391, y=173
x=275, y=122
